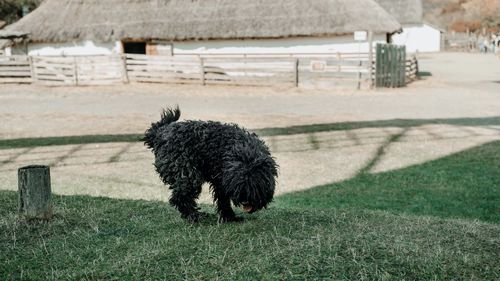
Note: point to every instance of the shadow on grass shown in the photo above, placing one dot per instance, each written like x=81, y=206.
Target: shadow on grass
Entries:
x=67, y=140
x=400, y=123
x=462, y=185
x=265, y=132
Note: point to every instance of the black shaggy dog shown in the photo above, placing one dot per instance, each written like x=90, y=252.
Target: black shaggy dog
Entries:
x=236, y=163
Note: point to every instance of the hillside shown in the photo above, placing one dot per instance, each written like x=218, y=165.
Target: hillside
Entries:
x=460, y=15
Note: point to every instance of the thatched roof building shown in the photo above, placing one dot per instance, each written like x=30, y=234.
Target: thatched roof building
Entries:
x=180, y=20
x=406, y=12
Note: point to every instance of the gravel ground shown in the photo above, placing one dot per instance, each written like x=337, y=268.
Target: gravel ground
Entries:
x=465, y=86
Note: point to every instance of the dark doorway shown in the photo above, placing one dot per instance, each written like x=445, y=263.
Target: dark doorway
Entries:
x=134, y=47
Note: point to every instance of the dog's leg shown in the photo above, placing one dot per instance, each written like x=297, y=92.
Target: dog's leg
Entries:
x=184, y=193
x=226, y=213
x=184, y=201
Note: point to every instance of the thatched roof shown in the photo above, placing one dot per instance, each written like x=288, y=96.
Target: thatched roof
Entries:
x=6, y=34
x=407, y=12
x=111, y=20
x=8, y=37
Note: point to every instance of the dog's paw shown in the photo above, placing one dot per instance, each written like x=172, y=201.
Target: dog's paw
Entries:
x=196, y=217
x=192, y=218
x=231, y=219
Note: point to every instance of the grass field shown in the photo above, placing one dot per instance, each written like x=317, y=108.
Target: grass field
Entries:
x=438, y=220
x=96, y=238
x=463, y=185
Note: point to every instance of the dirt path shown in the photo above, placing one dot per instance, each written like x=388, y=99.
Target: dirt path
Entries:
x=464, y=91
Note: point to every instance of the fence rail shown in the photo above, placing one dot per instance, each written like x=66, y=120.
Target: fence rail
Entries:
x=15, y=69
x=332, y=70
x=98, y=70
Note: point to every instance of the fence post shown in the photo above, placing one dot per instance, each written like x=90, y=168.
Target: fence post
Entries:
x=404, y=66
x=296, y=71
x=339, y=65
x=124, y=68
x=32, y=70
x=35, y=192
x=386, y=65
x=394, y=65
x=378, y=59
x=75, y=71
x=370, y=58
x=202, y=70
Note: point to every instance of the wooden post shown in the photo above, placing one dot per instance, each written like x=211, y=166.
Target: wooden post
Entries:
x=34, y=192
x=370, y=58
x=403, y=63
x=202, y=70
x=75, y=71
x=339, y=65
x=296, y=72
x=394, y=65
x=123, y=58
x=32, y=70
x=377, y=65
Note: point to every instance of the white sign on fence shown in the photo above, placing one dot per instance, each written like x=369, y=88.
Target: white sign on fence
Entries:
x=318, y=66
x=360, y=35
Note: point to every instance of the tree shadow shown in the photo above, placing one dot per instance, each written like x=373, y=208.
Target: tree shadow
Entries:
x=462, y=185
x=264, y=132
x=400, y=123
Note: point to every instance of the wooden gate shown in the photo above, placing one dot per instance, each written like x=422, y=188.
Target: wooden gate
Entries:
x=390, y=70
x=84, y=70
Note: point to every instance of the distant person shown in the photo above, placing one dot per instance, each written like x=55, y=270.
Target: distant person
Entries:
x=496, y=43
x=493, y=43
x=486, y=45
x=498, y=46
x=480, y=44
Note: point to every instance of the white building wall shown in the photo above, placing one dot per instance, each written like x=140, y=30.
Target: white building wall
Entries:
x=70, y=49
x=423, y=39
x=342, y=44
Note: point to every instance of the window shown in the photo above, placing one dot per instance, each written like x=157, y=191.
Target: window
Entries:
x=134, y=47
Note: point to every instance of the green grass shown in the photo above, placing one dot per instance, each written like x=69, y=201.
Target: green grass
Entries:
x=462, y=185
x=97, y=238
x=398, y=225
x=438, y=220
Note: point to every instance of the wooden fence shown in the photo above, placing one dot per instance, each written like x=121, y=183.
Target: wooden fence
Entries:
x=460, y=41
x=391, y=66
x=15, y=69
x=244, y=70
x=300, y=70
x=98, y=70
x=411, y=69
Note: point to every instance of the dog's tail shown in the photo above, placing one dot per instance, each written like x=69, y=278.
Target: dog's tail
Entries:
x=168, y=116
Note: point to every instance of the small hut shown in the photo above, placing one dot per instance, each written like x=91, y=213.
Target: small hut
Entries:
x=166, y=27
x=416, y=35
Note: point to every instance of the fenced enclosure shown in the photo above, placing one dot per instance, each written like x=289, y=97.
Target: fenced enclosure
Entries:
x=469, y=42
x=344, y=70
x=249, y=70
x=460, y=41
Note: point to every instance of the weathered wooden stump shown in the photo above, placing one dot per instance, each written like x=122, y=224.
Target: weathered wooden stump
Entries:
x=34, y=192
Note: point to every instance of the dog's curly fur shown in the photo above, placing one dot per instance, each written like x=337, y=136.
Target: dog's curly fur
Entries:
x=236, y=163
